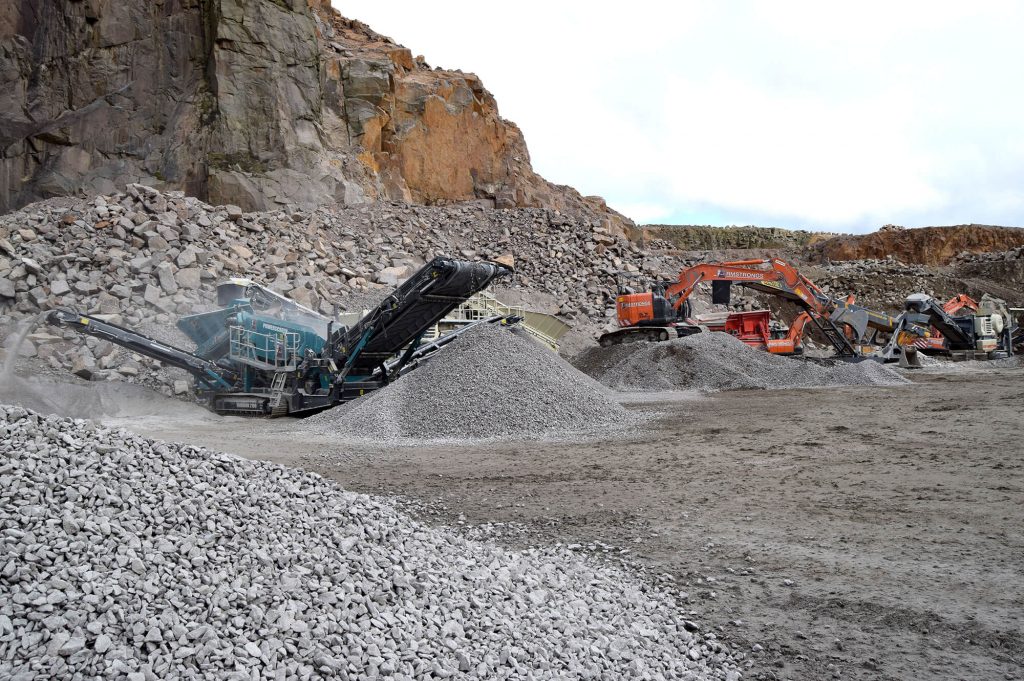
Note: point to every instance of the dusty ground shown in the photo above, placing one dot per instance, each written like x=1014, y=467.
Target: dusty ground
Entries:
x=861, y=533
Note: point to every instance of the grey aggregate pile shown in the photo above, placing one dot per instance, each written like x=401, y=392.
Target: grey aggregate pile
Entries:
x=944, y=365
x=127, y=558
x=491, y=382
x=714, y=361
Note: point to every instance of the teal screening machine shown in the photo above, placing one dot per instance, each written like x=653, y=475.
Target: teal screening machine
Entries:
x=262, y=354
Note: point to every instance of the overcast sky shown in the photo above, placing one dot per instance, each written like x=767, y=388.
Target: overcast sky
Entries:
x=810, y=114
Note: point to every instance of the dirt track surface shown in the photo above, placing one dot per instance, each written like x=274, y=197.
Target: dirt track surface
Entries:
x=856, y=533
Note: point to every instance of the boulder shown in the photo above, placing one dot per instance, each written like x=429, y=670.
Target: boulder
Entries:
x=188, y=278
x=393, y=276
x=165, y=276
x=59, y=287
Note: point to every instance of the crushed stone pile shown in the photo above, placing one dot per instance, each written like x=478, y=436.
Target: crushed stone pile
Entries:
x=124, y=557
x=944, y=365
x=718, y=361
x=490, y=382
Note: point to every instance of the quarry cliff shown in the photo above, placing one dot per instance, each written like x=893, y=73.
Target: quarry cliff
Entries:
x=933, y=246
x=930, y=246
x=259, y=103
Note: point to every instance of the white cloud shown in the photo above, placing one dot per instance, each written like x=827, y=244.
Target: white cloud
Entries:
x=797, y=113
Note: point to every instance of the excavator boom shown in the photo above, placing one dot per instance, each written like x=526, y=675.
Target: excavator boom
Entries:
x=776, y=277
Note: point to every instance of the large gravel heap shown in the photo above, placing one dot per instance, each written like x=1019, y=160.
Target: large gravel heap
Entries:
x=490, y=382
x=123, y=557
x=718, y=361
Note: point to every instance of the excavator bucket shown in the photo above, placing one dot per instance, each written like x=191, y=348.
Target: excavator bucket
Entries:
x=909, y=358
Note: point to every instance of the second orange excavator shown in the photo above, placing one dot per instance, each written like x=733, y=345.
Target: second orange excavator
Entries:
x=757, y=329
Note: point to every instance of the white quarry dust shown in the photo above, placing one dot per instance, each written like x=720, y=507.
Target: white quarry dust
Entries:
x=124, y=557
x=13, y=343
x=718, y=361
x=98, y=400
x=491, y=382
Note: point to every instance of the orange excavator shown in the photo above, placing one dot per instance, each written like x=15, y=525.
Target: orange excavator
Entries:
x=665, y=311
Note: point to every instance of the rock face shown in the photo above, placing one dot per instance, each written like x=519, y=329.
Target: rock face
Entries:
x=925, y=246
x=258, y=103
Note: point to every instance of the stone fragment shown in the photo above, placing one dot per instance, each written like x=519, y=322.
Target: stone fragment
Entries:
x=73, y=645
x=241, y=251
x=393, y=276
x=188, y=278
x=151, y=294
x=166, y=278
x=507, y=260
x=83, y=368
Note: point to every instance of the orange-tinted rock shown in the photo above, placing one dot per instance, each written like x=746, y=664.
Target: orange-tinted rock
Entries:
x=925, y=245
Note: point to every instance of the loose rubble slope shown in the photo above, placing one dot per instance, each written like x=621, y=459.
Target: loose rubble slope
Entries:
x=127, y=556
x=718, y=361
x=490, y=382
x=145, y=257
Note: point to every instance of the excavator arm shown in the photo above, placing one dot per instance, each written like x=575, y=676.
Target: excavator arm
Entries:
x=773, y=276
x=959, y=302
x=776, y=277
x=796, y=329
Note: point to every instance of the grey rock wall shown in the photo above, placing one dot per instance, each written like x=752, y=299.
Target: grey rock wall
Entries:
x=95, y=94
x=264, y=104
x=221, y=98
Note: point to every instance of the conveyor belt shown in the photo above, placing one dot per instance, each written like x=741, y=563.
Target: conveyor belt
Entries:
x=423, y=300
x=203, y=369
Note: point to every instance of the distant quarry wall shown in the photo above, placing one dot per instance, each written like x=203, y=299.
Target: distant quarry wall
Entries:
x=933, y=246
x=703, y=237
